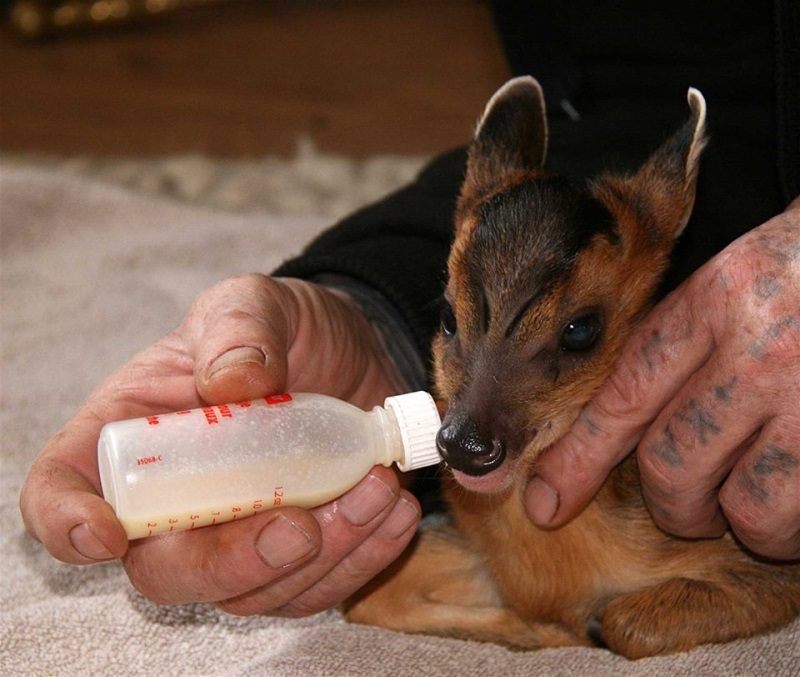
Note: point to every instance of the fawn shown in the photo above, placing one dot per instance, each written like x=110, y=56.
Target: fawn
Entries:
x=546, y=280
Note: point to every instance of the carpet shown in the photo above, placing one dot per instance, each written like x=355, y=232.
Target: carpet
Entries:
x=98, y=260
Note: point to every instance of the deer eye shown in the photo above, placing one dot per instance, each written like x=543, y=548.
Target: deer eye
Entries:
x=581, y=332
x=448, y=320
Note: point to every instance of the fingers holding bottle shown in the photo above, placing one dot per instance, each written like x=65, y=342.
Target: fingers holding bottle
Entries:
x=288, y=561
x=61, y=503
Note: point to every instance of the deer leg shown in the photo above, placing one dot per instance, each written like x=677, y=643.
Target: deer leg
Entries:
x=681, y=613
x=442, y=587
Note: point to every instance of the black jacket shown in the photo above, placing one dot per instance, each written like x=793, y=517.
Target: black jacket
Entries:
x=624, y=66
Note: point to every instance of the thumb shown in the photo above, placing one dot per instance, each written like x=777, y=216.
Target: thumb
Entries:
x=571, y=472
x=237, y=335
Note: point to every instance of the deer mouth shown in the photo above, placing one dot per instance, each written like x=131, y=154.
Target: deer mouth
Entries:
x=494, y=482
x=478, y=460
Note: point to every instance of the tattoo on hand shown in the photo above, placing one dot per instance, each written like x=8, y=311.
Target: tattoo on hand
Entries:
x=700, y=419
x=724, y=392
x=652, y=342
x=667, y=449
x=766, y=286
x=773, y=460
x=758, y=348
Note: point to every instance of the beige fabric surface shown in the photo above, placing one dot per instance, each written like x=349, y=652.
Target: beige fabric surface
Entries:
x=93, y=272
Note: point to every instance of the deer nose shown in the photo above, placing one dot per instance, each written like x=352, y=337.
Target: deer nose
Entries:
x=463, y=447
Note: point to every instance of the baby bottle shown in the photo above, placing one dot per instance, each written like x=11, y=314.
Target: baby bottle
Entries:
x=199, y=467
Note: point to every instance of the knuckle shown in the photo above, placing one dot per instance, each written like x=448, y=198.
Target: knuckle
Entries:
x=156, y=569
x=582, y=465
x=687, y=514
x=660, y=480
x=244, y=282
x=661, y=456
x=758, y=286
x=149, y=582
x=241, y=291
x=735, y=269
x=682, y=498
x=762, y=503
x=623, y=393
x=764, y=534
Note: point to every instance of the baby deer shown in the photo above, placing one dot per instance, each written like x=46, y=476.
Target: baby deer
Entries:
x=546, y=280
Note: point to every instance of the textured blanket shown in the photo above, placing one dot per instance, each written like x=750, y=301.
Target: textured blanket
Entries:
x=91, y=273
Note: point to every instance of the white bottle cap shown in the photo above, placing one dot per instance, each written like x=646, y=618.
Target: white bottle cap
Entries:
x=419, y=422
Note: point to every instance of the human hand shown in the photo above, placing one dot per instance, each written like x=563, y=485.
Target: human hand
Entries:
x=244, y=338
x=708, y=387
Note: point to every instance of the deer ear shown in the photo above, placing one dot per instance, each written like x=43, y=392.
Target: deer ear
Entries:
x=511, y=137
x=668, y=179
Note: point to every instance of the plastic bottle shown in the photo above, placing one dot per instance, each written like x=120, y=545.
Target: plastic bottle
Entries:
x=206, y=466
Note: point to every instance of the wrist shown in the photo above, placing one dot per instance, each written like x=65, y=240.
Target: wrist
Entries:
x=403, y=363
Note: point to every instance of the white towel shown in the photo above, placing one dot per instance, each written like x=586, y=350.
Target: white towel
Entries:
x=91, y=273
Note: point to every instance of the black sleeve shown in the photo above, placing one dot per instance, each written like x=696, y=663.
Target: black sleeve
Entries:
x=397, y=247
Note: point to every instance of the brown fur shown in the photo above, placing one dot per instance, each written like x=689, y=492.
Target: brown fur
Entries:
x=610, y=575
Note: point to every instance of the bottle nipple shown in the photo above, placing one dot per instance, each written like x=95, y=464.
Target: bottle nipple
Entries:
x=418, y=420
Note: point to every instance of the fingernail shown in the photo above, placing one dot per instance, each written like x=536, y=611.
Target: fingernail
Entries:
x=404, y=517
x=236, y=357
x=541, y=501
x=87, y=544
x=366, y=500
x=282, y=542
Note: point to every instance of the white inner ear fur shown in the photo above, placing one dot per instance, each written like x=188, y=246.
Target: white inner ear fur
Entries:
x=697, y=104
x=500, y=94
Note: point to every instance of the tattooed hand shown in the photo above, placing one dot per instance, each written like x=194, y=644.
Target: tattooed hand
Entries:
x=708, y=391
